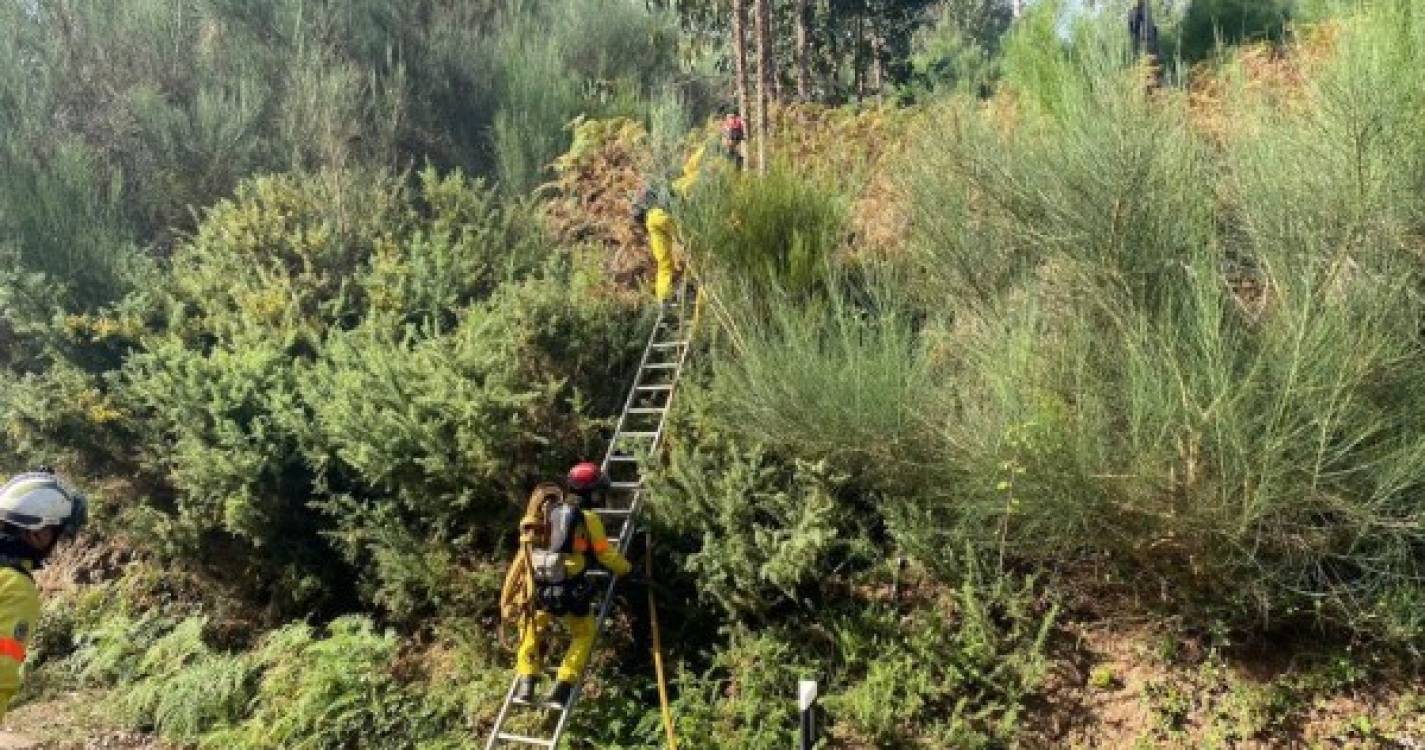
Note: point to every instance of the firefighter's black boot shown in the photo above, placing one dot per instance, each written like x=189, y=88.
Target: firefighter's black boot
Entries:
x=524, y=690
x=559, y=696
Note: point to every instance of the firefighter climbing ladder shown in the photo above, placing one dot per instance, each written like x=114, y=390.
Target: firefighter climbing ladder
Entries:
x=636, y=439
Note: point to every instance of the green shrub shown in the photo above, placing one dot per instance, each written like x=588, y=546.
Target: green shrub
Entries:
x=348, y=344
x=1054, y=60
x=754, y=236
x=427, y=439
x=959, y=669
x=770, y=532
x=959, y=52
x=110, y=651
x=332, y=692
x=184, y=689
x=1116, y=177
x=962, y=669
x=747, y=698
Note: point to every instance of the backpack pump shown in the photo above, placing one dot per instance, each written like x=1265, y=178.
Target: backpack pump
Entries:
x=549, y=559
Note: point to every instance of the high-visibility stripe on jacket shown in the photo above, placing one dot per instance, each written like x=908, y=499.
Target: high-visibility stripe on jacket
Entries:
x=590, y=538
x=19, y=611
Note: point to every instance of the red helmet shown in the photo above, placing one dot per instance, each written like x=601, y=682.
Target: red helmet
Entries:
x=585, y=476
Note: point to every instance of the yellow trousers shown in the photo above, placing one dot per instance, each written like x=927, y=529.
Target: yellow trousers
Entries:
x=581, y=634
x=660, y=240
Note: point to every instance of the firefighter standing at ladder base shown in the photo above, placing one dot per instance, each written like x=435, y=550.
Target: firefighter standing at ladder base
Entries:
x=576, y=539
x=35, y=512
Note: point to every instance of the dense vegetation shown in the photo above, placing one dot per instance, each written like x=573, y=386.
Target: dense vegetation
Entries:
x=278, y=284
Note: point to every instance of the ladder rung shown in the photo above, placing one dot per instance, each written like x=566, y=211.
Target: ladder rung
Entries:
x=624, y=459
x=508, y=737
x=613, y=512
x=652, y=410
x=654, y=388
x=661, y=366
x=644, y=435
x=669, y=344
x=625, y=485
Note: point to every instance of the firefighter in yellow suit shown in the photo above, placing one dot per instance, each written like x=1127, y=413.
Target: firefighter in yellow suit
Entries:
x=35, y=512
x=660, y=226
x=571, y=603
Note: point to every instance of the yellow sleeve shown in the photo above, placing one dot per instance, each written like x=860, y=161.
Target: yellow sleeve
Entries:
x=609, y=557
x=694, y=164
x=19, y=611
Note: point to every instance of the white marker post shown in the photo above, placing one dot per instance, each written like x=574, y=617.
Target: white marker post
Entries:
x=808, y=706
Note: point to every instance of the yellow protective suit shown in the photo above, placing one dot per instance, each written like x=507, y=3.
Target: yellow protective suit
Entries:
x=19, y=611
x=662, y=230
x=659, y=224
x=692, y=167
x=589, y=538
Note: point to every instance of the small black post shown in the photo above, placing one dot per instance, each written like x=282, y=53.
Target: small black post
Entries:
x=808, y=708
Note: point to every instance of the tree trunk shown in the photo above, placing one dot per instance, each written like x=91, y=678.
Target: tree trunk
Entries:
x=739, y=56
x=773, y=74
x=762, y=10
x=878, y=59
x=828, y=61
x=803, y=21
x=1018, y=8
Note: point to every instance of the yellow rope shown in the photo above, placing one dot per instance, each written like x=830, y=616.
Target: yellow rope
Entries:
x=517, y=595
x=658, y=646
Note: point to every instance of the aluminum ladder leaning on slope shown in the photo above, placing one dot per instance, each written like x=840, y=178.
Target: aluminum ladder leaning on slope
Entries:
x=636, y=440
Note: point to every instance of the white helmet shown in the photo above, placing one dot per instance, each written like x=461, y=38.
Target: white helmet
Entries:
x=36, y=500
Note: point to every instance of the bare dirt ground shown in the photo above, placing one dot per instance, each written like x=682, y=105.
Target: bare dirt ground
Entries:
x=67, y=722
x=1127, y=686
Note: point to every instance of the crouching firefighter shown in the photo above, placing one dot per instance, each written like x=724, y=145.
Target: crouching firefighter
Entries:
x=566, y=539
x=36, y=511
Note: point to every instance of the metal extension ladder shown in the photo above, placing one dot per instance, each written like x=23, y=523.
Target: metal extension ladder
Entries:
x=636, y=439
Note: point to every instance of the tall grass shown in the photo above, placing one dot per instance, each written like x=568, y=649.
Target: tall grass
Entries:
x=560, y=60
x=670, y=118
x=760, y=234
x=838, y=378
x=1197, y=365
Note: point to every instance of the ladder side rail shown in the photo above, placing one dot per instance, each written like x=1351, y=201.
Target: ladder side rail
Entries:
x=505, y=707
x=495, y=731
x=604, y=607
x=625, y=535
x=636, y=506
x=633, y=389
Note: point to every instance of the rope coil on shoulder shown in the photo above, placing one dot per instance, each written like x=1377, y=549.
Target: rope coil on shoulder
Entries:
x=519, y=594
